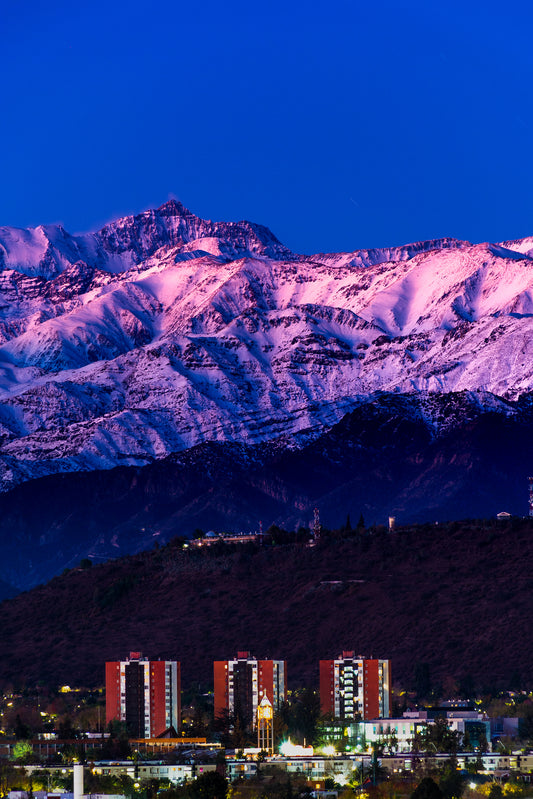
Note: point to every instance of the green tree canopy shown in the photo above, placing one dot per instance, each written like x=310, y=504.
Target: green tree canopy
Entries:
x=23, y=751
x=438, y=737
x=451, y=783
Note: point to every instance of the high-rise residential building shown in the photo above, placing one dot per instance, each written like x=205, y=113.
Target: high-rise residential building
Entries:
x=352, y=685
x=241, y=683
x=143, y=693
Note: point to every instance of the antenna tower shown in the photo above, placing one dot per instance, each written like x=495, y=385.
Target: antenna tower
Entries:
x=316, y=525
x=530, y=503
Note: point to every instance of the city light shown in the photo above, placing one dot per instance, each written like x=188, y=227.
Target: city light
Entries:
x=288, y=749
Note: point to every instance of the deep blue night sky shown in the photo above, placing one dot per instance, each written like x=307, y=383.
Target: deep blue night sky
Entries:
x=339, y=125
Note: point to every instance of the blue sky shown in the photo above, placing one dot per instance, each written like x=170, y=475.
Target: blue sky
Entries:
x=339, y=125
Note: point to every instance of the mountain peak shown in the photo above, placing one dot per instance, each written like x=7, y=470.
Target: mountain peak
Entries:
x=173, y=207
x=173, y=330
x=47, y=251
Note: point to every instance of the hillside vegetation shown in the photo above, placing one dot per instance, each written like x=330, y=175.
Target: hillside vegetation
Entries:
x=456, y=597
x=417, y=458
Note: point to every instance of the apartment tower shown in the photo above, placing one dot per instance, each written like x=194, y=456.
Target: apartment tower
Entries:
x=143, y=693
x=240, y=684
x=351, y=685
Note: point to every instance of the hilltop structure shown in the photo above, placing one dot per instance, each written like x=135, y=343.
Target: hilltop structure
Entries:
x=145, y=694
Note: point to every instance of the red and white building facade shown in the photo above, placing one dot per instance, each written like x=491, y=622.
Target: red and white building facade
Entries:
x=145, y=694
x=352, y=685
x=240, y=684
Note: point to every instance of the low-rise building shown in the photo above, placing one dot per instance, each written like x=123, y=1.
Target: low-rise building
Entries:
x=153, y=770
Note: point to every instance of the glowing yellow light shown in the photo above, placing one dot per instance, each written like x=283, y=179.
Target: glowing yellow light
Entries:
x=265, y=712
x=288, y=749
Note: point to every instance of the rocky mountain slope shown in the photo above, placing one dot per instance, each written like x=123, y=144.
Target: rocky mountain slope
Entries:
x=163, y=331
x=163, y=334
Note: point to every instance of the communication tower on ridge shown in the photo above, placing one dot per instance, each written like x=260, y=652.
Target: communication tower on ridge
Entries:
x=530, y=481
x=316, y=525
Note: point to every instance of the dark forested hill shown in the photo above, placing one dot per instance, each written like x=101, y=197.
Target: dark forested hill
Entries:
x=457, y=597
x=416, y=458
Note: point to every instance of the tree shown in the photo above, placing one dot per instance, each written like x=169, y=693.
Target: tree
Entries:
x=525, y=724
x=117, y=746
x=210, y=785
x=392, y=741
x=427, y=789
x=66, y=730
x=278, y=535
x=9, y=775
x=377, y=771
x=438, y=737
x=451, y=783
x=281, y=728
x=21, y=730
x=422, y=680
x=357, y=778
x=467, y=687
x=23, y=751
x=240, y=736
x=300, y=714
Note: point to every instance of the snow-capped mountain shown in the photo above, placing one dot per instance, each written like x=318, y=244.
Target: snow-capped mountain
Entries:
x=48, y=250
x=162, y=331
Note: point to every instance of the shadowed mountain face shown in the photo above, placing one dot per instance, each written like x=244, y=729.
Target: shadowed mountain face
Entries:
x=416, y=458
x=169, y=372
x=456, y=597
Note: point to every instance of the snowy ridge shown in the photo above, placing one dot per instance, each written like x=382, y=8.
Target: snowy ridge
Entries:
x=164, y=330
x=47, y=251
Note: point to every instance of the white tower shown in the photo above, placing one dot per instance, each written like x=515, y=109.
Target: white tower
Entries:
x=265, y=725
